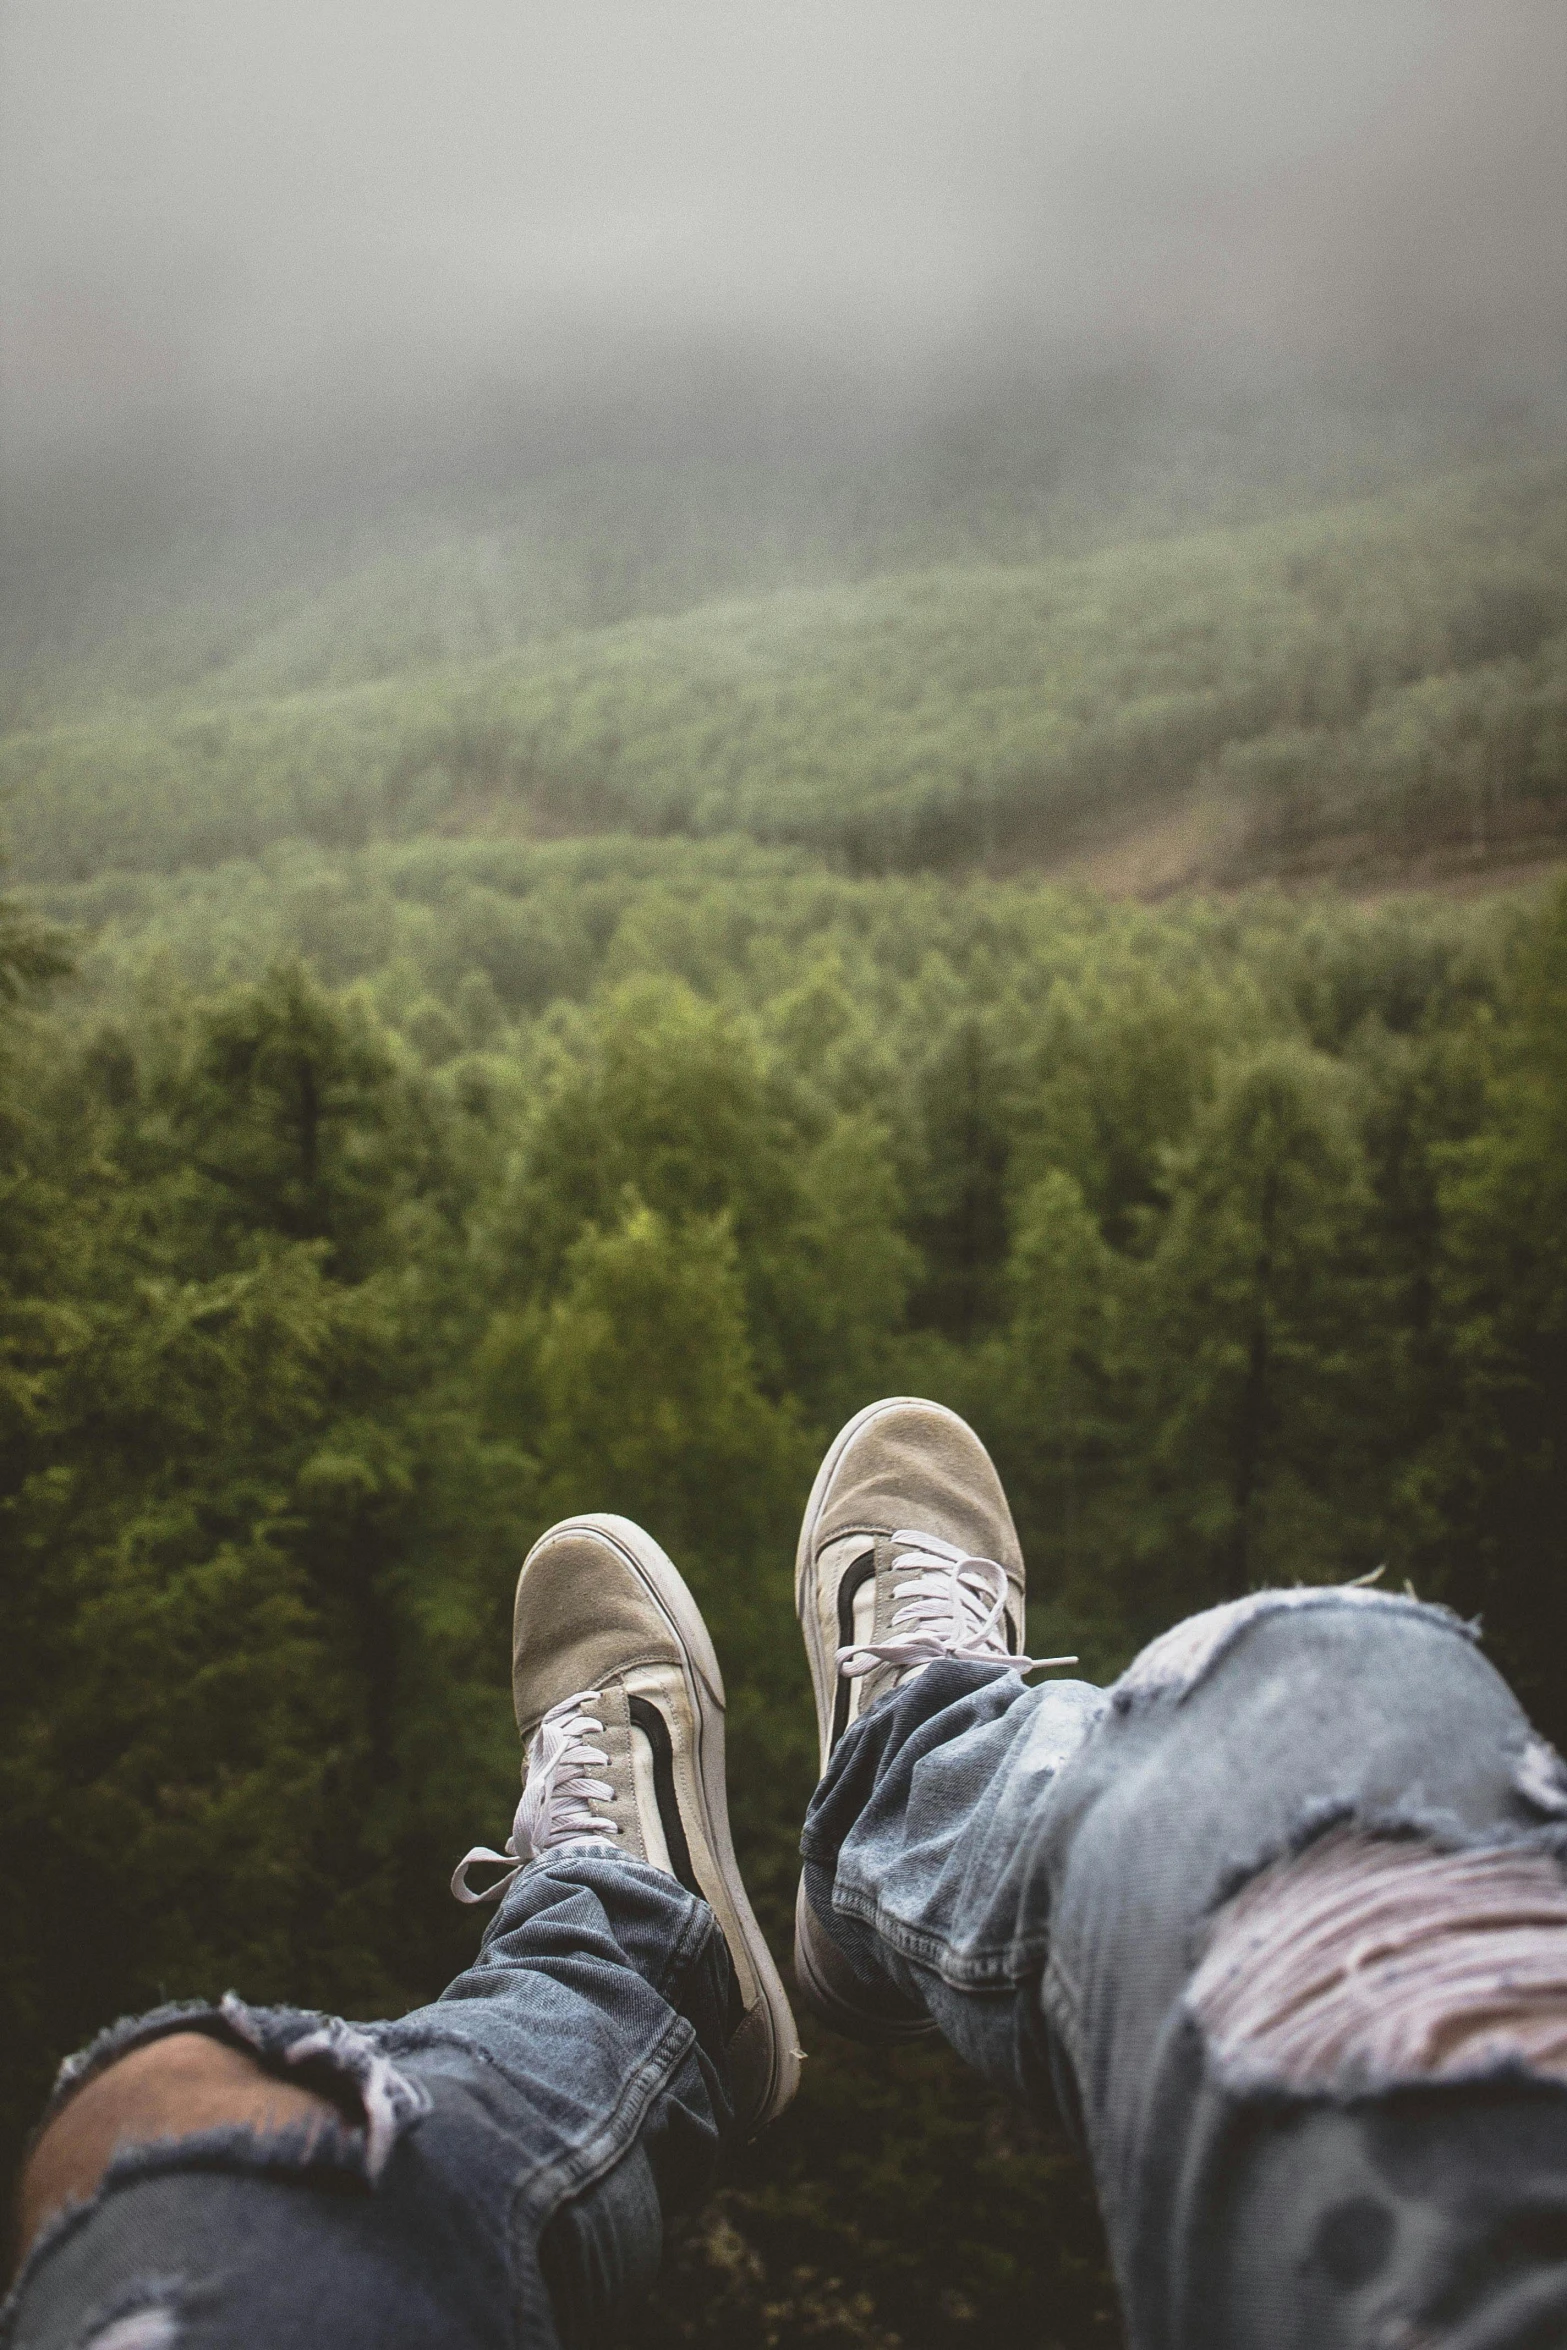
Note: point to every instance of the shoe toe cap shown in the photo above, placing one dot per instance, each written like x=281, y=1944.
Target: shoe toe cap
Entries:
x=582, y=1614
x=916, y=1464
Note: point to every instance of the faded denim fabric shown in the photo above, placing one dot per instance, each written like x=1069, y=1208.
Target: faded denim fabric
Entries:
x=1042, y=1867
x=1053, y=1871
x=500, y=2175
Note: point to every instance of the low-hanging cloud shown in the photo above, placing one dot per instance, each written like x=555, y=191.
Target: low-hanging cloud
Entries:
x=229, y=219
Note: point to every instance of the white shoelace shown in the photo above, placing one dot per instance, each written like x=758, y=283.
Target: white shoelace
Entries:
x=554, y=1809
x=953, y=1605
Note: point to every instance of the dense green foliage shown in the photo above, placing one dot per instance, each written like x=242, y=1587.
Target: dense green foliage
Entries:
x=556, y=1024
x=1355, y=684
x=365, y=1209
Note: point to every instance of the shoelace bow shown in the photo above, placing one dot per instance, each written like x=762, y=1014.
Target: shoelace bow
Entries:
x=554, y=1806
x=954, y=1604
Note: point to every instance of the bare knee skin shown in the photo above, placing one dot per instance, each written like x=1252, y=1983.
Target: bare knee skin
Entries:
x=169, y=2089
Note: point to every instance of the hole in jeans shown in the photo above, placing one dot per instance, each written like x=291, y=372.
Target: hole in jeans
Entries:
x=1366, y=1960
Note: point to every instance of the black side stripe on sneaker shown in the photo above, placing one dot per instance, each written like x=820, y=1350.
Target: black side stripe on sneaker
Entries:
x=646, y=1717
x=853, y=1582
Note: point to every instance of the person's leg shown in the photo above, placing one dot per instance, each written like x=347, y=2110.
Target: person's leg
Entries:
x=494, y=2168
x=1281, y=1920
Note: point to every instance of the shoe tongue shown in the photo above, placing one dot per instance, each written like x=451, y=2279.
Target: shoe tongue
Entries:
x=926, y=1559
x=620, y=1770
x=887, y=1602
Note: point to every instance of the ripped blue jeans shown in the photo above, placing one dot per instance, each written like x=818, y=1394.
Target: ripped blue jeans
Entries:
x=499, y=2174
x=1279, y=1922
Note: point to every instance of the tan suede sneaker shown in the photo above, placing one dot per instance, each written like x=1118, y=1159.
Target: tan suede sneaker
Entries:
x=620, y=1705
x=907, y=1554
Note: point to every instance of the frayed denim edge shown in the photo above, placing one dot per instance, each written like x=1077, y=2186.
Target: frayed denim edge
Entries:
x=1440, y=1831
x=1180, y=1660
x=303, y=2146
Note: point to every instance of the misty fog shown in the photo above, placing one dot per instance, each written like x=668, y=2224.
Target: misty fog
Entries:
x=236, y=219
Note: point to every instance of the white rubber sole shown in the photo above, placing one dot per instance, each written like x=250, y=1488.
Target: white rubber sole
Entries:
x=665, y=1584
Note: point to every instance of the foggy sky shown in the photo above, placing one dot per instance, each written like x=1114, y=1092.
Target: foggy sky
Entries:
x=219, y=214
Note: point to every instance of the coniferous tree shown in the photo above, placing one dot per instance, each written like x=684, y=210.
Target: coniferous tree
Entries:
x=1263, y=1336
x=1492, y=1487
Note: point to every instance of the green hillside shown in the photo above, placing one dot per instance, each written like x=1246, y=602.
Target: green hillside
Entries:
x=512, y=1068
x=108, y=598
x=1360, y=684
